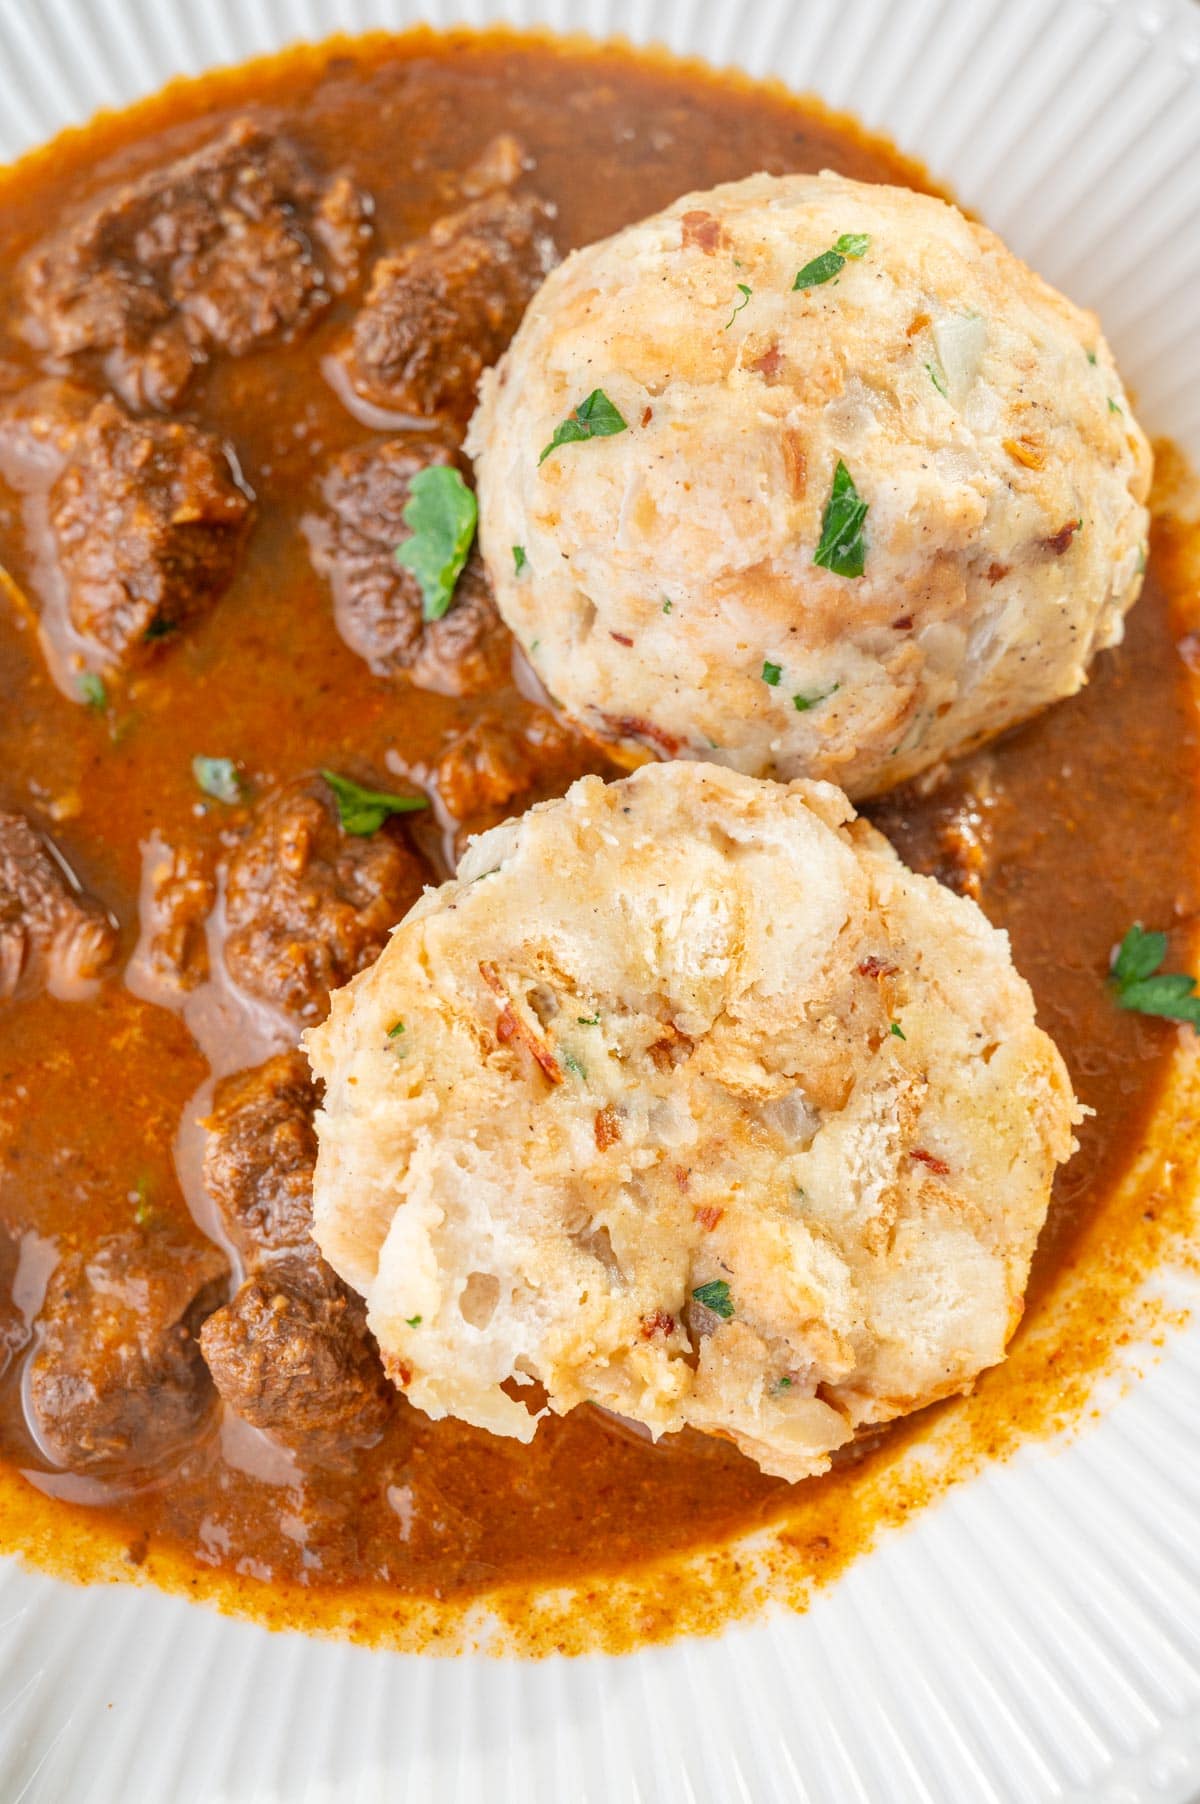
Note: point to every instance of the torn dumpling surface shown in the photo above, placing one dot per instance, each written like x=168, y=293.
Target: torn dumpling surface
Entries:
x=687, y=1099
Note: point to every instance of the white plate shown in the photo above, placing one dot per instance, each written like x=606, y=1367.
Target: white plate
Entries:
x=1036, y=1636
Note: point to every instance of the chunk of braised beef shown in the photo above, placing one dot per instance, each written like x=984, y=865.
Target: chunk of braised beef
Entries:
x=260, y=1154
x=309, y=905
x=148, y=517
x=50, y=932
x=239, y=244
x=502, y=764
x=291, y=1354
x=377, y=602
x=438, y=313
x=116, y=1378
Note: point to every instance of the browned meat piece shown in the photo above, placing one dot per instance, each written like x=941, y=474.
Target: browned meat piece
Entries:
x=376, y=600
x=149, y=518
x=309, y=905
x=116, y=1377
x=291, y=1355
x=241, y=243
x=442, y=310
x=50, y=932
x=260, y=1153
x=501, y=766
x=178, y=892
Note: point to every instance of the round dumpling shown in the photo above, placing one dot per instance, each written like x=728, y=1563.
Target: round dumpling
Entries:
x=687, y=1099
x=841, y=488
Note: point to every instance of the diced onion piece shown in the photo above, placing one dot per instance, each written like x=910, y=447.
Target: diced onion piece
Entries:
x=960, y=339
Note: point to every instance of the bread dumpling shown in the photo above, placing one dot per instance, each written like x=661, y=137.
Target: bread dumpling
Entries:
x=687, y=1099
x=841, y=487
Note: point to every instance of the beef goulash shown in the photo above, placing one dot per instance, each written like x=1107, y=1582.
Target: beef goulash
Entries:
x=766, y=1117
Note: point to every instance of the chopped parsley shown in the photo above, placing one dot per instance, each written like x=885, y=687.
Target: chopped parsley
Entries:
x=938, y=380
x=573, y=1064
x=413, y=1321
x=362, y=811
x=898, y=1031
x=843, y=543
x=715, y=1296
x=1139, y=984
x=1114, y=406
x=143, y=1210
x=92, y=691
x=441, y=513
x=218, y=778
x=395, y=1030
x=519, y=558
x=594, y=418
x=588, y=1020
x=1091, y=356
x=830, y=263
x=802, y=703
x=666, y=607
x=781, y=1384
x=744, y=302
x=771, y=673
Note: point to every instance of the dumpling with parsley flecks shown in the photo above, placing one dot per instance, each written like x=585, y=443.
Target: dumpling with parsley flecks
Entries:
x=688, y=1100
x=811, y=478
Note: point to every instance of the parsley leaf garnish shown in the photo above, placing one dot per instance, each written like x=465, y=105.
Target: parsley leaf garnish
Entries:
x=1140, y=985
x=744, y=302
x=715, y=1296
x=802, y=703
x=442, y=514
x=573, y=1064
x=771, y=673
x=362, y=811
x=898, y=1031
x=823, y=268
x=519, y=558
x=843, y=543
x=413, y=1321
x=218, y=778
x=594, y=418
x=92, y=691
x=143, y=1212
x=588, y=1020
x=938, y=380
x=395, y=1030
